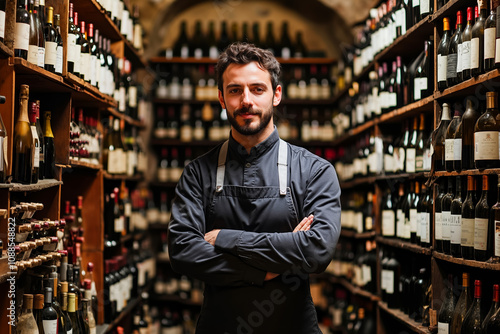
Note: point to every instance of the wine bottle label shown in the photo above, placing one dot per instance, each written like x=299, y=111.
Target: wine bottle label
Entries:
x=459, y=58
x=368, y=223
x=489, y=43
x=446, y=225
x=85, y=65
x=451, y=66
x=70, y=331
x=411, y=160
x=457, y=149
x=22, y=36
x=78, y=61
x=186, y=133
x=425, y=235
x=466, y=55
x=50, y=326
x=413, y=220
x=480, y=233
x=132, y=96
x=71, y=48
x=401, y=159
x=456, y=229
x=486, y=145
x=122, y=99
x=383, y=280
x=388, y=223
x=497, y=50
x=401, y=20
x=416, y=3
x=393, y=100
x=420, y=222
x=443, y=328
x=2, y=150
x=467, y=232
x=119, y=224
x=497, y=237
x=92, y=69
x=184, y=51
x=117, y=161
x=420, y=84
x=198, y=53
x=388, y=163
x=389, y=285
x=366, y=272
x=2, y=24
x=36, y=144
x=285, y=53
x=163, y=174
x=474, y=53
x=449, y=149
x=41, y=57
x=442, y=67
x=438, y=228
x=33, y=54
x=425, y=6
x=359, y=222
x=419, y=163
x=131, y=162
x=50, y=53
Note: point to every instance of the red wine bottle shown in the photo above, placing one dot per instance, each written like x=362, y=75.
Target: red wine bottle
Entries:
x=468, y=216
x=473, y=319
x=482, y=225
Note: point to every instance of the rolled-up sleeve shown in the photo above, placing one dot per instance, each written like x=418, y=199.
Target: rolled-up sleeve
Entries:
x=309, y=251
x=189, y=253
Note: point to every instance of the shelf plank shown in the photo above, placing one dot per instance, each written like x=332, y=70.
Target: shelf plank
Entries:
x=449, y=9
x=42, y=184
x=5, y=52
x=404, y=319
x=471, y=86
x=352, y=288
x=426, y=104
x=137, y=177
x=47, y=81
x=474, y=172
x=468, y=263
x=81, y=164
x=356, y=235
x=91, y=10
x=85, y=87
x=371, y=179
x=358, y=181
x=126, y=118
x=403, y=245
x=207, y=60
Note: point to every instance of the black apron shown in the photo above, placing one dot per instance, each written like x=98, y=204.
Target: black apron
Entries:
x=282, y=305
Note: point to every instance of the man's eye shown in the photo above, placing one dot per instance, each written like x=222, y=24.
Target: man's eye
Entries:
x=233, y=91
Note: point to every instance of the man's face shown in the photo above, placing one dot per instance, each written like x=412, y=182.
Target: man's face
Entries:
x=249, y=98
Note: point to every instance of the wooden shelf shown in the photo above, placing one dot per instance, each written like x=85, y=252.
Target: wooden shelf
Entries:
x=412, y=109
x=207, y=60
x=449, y=9
x=358, y=181
x=403, y=245
x=4, y=269
x=470, y=86
x=404, y=319
x=467, y=263
x=126, y=118
x=5, y=52
x=473, y=172
x=40, y=185
x=352, y=288
x=174, y=299
x=80, y=164
x=84, y=87
x=122, y=177
x=37, y=77
x=367, y=180
x=356, y=235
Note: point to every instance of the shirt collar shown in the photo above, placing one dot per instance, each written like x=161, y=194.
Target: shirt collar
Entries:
x=257, y=150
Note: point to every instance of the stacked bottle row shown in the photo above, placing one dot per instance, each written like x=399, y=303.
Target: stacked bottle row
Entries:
x=386, y=91
x=406, y=284
x=183, y=287
x=85, y=138
x=57, y=301
x=358, y=211
x=387, y=22
x=34, y=150
x=356, y=262
x=470, y=140
x=465, y=226
x=122, y=149
x=470, y=50
x=468, y=313
x=209, y=45
x=167, y=320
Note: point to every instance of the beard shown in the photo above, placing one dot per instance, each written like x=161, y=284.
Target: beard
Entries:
x=247, y=128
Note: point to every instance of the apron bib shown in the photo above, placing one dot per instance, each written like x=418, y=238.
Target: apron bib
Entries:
x=281, y=305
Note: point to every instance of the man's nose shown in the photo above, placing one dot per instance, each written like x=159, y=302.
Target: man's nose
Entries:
x=246, y=98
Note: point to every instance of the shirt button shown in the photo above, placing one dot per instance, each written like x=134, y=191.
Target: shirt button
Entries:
x=248, y=165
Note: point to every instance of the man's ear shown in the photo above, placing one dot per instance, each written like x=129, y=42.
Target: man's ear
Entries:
x=221, y=100
x=277, y=96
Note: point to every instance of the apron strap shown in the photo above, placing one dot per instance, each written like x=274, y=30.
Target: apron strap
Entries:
x=221, y=167
x=283, y=166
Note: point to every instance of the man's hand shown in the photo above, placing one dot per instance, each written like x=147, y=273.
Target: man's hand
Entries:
x=211, y=236
x=305, y=224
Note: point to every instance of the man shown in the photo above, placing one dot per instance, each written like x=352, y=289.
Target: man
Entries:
x=235, y=219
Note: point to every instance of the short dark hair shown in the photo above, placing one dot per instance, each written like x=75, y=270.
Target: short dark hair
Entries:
x=245, y=53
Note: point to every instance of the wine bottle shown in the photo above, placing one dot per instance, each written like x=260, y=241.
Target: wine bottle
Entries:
x=270, y=42
x=496, y=228
x=26, y=322
x=84, y=53
x=78, y=71
x=36, y=143
x=73, y=315
x=23, y=141
x=465, y=54
x=416, y=11
x=421, y=213
x=198, y=42
x=438, y=218
x=482, y=224
x=420, y=151
x=60, y=47
x=213, y=52
x=447, y=308
x=426, y=8
x=497, y=42
x=41, y=39
x=446, y=217
x=49, y=150
x=495, y=305
x=88, y=317
x=224, y=37
x=33, y=36
x=442, y=55
x=489, y=37
x=423, y=75
x=438, y=139
x=285, y=42
x=474, y=317
x=22, y=30
x=393, y=272
x=400, y=211
x=426, y=233
x=49, y=314
x=68, y=326
x=463, y=304
x=38, y=310
x=414, y=213
x=388, y=217
x=477, y=39
x=93, y=54
x=50, y=42
x=486, y=135
x=456, y=220
x=452, y=143
x=71, y=42
x=468, y=216
x=411, y=151
x=452, y=71
x=466, y=127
